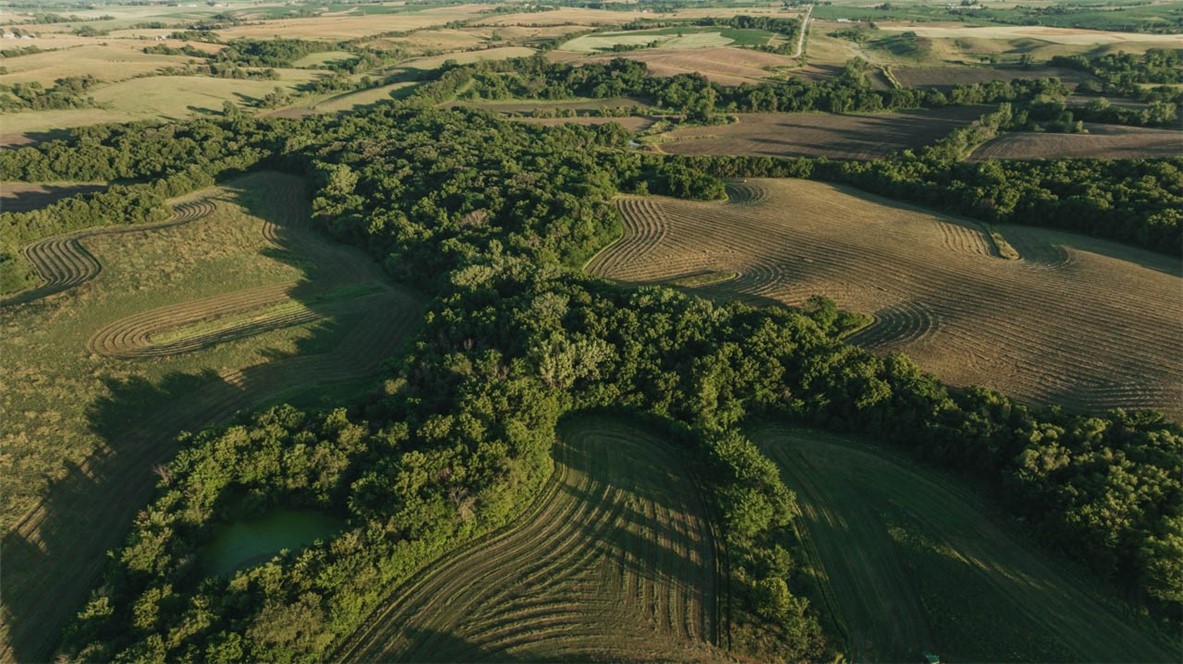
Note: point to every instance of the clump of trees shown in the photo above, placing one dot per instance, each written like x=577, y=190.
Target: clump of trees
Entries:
x=68, y=92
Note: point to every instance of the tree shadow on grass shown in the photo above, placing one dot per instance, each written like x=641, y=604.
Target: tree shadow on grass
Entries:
x=54, y=556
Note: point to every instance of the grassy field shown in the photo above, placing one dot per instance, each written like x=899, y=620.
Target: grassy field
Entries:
x=159, y=331
x=908, y=563
x=1102, y=141
x=614, y=562
x=819, y=134
x=1083, y=322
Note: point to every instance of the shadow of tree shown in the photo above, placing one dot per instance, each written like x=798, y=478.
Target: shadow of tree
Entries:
x=55, y=554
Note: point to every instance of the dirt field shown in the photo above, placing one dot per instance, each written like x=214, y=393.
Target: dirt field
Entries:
x=1086, y=323
x=1056, y=35
x=146, y=333
x=723, y=65
x=908, y=564
x=947, y=77
x=820, y=134
x=633, y=124
x=614, y=562
x=352, y=26
x=1102, y=141
x=24, y=196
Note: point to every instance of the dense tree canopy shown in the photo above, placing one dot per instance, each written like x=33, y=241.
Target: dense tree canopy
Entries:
x=490, y=217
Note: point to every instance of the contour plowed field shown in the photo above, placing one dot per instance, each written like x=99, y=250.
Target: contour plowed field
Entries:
x=908, y=564
x=54, y=554
x=1102, y=142
x=613, y=562
x=63, y=262
x=820, y=134
x=1084, y=322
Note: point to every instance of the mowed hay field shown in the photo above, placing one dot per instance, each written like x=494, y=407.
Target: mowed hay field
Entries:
x=614, y=562
x=140, y=333
x=1102, y=141
x=1086, y=323
x=819, y=134
x=908, y=563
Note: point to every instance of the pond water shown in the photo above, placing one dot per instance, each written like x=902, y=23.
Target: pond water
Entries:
x=247, y=543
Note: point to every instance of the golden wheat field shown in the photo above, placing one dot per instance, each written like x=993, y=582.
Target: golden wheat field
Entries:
x=1084, y=322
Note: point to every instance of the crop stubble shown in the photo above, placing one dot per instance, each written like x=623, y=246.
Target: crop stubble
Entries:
x=909, y=563
x=614, y=561
x=1083, y=322
x=49, y=563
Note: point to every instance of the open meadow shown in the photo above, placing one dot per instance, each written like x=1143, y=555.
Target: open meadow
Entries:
x=908, y=562
x=1086, y=323
x=140, y=333
x=819, y=134
x=615, y=561
x=725, y=65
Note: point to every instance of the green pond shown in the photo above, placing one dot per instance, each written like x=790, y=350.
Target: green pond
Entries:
x=247, y=543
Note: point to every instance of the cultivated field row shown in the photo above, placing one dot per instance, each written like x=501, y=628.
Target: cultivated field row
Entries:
x=908, y=564
x=48, y=568
x=63, y=262
x=1083, y=322
x=613, y=562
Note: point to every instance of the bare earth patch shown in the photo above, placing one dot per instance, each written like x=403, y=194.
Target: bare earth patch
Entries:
x=24, y=196
x=1102, y=142
x=820, y=134
x=724, y=65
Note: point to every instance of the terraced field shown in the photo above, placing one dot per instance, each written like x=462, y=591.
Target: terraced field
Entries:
x=614, y=562
x=1087, y=323
x=151, y=331
x=908, y=563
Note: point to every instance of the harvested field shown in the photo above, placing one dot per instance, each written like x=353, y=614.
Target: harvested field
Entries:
x=613, y=562
x=352, y=26
x=25, y=196
x=909, y=563
x=1102, y=142
x=1086, y=323
x=632, y=123
x=820, y=134
x=724, y=65
x=468, y=57
x=113, y=60
x=1071, y=36
x=183, y=325
x=948, y=77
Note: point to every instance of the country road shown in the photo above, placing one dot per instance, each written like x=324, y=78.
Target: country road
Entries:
x=804, y=27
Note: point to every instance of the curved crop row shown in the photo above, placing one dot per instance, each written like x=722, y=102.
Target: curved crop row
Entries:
x=908, y=564
x=63, y=262
x=614, y=561
x=1077, y=321
x=47, y=588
